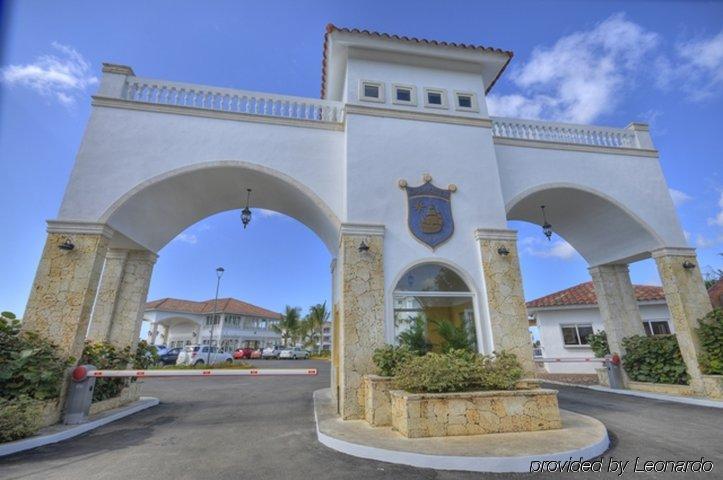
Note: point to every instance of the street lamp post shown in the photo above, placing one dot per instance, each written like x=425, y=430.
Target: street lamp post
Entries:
x=219, y=274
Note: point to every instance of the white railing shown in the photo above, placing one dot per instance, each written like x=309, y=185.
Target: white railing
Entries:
x=565, y=133
x=161, y=92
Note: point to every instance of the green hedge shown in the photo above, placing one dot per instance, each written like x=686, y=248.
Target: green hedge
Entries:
x=388, y=358
x=20, y=417
x=29, y=364
x=457, y=371
x=30, y=372
x=654, y=359
x=710, y=334
x=599, y=343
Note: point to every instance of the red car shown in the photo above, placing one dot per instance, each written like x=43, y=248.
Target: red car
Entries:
x=242, y=353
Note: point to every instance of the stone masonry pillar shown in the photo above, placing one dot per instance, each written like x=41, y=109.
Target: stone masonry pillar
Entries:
x=361, y=311
x=687, y=301
x=65, y=284
x=617, y=303
x=105, y=301
x=125, y=327
x=505, y=298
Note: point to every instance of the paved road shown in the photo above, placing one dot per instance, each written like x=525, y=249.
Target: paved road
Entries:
x=263, y=428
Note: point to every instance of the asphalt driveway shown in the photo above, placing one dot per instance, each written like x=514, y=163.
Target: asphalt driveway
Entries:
x=263, y=428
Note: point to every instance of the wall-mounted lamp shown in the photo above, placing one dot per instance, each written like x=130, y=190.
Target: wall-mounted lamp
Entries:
x=503, y=251
x=67, y=245
x=688, y=265
x=363, y=247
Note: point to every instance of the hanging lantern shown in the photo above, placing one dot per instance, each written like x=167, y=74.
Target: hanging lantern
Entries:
x=546, y=227
x=246, y=212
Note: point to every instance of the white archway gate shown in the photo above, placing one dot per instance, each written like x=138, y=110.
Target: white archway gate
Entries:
x=158, y=156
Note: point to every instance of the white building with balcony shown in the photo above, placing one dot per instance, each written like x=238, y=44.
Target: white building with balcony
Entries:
x=236, y=324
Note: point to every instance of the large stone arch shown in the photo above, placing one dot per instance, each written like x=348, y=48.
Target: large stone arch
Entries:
x=601, y=228
x=153, y=212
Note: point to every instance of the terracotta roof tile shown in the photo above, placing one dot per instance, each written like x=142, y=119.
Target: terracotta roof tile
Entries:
x=584, y=294
x=330, y=27
x=225, y=305
x=715, y=292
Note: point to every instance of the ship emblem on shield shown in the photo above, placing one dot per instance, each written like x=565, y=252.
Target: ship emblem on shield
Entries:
x=429, y=212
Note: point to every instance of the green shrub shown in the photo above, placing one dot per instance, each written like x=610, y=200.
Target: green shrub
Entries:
x=29, y=364
x=146, y=356
x=106, y=356
x=8, y=315
x=458, y=371
x=599, y=343
x=710, y=334
x=389, y=357
x=20, y=417
x=654, y=359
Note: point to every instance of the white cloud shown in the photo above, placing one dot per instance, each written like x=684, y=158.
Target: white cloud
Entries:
x=718, y=219
x=696, y=69
x=263, y=213
x=63, y=76
x=559, y=249
x=187, y=238
x=679, y=197
x=581, y=76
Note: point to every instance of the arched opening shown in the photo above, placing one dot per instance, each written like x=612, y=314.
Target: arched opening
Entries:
x=599, y=228
x=191, y=217
x=157, y=210
x=589, y=229
x=433, y=310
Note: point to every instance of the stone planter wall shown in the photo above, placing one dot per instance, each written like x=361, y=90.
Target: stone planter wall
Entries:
x=377, y=403
x=51, y=413
x=713, y=385
x=602, y=377
x=127, y=395
x=662, y=388
x=473, y=413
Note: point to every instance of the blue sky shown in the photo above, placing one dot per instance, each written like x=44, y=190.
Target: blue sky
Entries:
x=615, y=62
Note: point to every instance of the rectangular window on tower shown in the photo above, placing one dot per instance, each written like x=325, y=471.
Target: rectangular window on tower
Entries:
x=371, y=91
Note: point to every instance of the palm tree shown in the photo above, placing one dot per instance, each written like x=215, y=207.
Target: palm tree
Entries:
x=288, y=326
x=318, y=316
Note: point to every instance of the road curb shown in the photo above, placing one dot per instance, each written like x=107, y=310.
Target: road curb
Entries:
x=701, y=402
x=69, y=431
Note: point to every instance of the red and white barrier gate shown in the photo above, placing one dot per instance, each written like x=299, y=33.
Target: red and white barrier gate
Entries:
x=569, y=360
x=80, y=372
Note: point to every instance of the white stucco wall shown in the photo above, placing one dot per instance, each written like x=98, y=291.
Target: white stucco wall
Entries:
x=124, y=149
x=549, y=322
x=633, y=212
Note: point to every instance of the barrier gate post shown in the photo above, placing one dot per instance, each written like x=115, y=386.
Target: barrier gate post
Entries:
x=80, y=395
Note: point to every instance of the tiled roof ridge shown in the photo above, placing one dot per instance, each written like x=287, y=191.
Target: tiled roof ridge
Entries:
x=330, y=27
x=584, y=294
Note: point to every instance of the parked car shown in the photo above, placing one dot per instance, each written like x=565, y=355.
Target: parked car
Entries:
x=294, y=353
x=271, y=352
x=197, y=354
x=257, y=353
x=161, y=349
x=242, y=353
x=170, y=357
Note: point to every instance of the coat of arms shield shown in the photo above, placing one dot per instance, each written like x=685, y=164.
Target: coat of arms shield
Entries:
x=429, y=212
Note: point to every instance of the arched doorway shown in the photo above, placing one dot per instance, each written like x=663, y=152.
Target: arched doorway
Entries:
x=433, y=310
